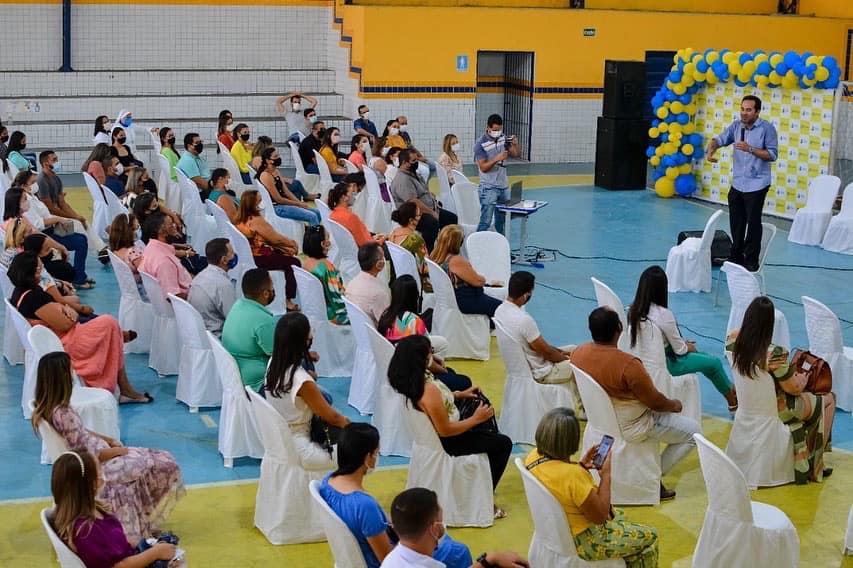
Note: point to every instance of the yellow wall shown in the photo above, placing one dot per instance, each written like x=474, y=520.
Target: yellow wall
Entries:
x=459, y=3
x=827, y=8
x=715, y=7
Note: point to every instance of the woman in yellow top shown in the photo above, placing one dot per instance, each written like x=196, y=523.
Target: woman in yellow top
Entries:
x=599, y=531
x=241, y=151
x=391, y=136
x=329, y=151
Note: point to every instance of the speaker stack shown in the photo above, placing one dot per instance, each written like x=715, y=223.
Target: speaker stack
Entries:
x=622, y=137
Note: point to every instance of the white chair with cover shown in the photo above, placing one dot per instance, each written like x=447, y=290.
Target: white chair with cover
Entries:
x=362, y=389
x=839, y=234
x=760, y=444
x=466, y=197
x=165, y=354
x=650, y=350
x=390, y=406
x=166, y=187
x=810, y=222
x=102, y=214
x=220, y=217
x=65, y=556
x=825, y=340
x=458, y=176
x=345, y=549
x=552, y=544
x=199, y=384
x=525, y=401
x=448, y=203
x=490, y=257
x=233, y=169
x=22, y=328
x=283, y=509
x=334, y=343
x=636, y=473
x=467, y=335
x=201, y=227
x=97, y=407
x=743, y=289
x=13, y=349
x=351, y=168
x=290, y=228
x=768, y=234
x=605, y=296
x=334, y=253
x=311, y=182
x=405, y=263
x=326, y=181
x=378, y=216
x=347, y=259
x=848, y=538
x=688, y=265
x=238, y=431
x=133, y=312
x=736, y=530
x=463, y=483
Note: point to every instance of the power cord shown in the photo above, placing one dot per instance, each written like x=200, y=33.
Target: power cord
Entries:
x=566, y=292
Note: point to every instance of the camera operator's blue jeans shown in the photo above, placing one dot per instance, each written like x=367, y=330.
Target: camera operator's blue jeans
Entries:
x=310, y=216
x=490, y=196
x=78, y=244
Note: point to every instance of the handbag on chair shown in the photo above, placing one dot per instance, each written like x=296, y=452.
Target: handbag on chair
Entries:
x=467, y=407
x=815, y=369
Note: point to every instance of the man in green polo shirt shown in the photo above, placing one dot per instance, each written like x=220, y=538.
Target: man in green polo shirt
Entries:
x=249, y=329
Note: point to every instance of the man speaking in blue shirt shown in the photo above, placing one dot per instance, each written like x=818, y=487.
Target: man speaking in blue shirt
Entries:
x=756, y=145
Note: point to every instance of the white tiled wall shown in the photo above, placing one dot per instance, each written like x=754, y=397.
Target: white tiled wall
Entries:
x=564, y=130
x=32, y=37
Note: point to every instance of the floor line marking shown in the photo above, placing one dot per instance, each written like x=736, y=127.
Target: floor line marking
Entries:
x=207, y=420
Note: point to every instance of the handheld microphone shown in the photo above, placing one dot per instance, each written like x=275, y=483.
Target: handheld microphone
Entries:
x=742, y=134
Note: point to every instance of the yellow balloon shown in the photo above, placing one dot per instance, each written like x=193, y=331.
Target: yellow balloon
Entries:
x=675, y=128
x=661, y=113
x=711, y=77
x=734, y=67
x=788, y=82
x=689, y=68
x=699, y=76
x=812, y=59
x=760, y=58
x=688, y=80
x=689, y=128
x=669, y=84
x=749, y=67
x=810, y=82
x=687, y=150
x=712, y=56
x=728, y=57
x=743, y=76
x=654, y=160
x=775, y=77
x=688, y=54
x=664, y=126
x=654, y=132
x=672, y=173
x=665, y=187
x=679, y=89
x=697, y=57
x=685, y=168
x=676, y=107
x=690, y=109
x=821, y=74
x=659, y=151
x=762, y=80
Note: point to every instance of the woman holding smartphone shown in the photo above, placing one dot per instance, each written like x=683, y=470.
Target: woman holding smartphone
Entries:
x=599, y=531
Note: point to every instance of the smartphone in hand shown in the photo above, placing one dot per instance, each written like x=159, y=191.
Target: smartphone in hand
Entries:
x=603, y=450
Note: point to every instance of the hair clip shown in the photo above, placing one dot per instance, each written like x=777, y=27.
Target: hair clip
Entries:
x=79, y=459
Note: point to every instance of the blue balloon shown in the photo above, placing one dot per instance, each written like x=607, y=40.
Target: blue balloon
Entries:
x=830, y=62
x=656, y=122
x=811, y=68
x=707, y=51
x=800, y=69
x=685, y=184
x=698, y=153
x=702, y=66
x=782, y=68
x=792, y=58
x=832, y=82
x=756, y=52
x=740, y=83
x=666, y=161
x=670, y=96
x=664, y=137
x=806, y=55
x=695, y=139
x=683, y=118
x=802, y=84
x=650, y=151
x=657, y=100
x=681, y=159
x=656, y=175
x=676, y=76
x=744, y=57
x=684, y=99
x=764, y=68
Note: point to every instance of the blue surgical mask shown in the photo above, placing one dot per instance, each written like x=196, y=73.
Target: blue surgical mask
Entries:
x=127, y=122
x=232, y=264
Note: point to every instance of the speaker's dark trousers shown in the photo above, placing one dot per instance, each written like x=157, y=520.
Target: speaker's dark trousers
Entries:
x=745, y=217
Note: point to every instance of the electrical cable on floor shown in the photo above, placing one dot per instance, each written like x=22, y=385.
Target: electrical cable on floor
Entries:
x=697, y=334
x=835, y=268
x=564, y=291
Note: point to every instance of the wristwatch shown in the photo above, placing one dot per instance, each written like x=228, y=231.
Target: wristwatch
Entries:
x=751, y=149
x=481, y=560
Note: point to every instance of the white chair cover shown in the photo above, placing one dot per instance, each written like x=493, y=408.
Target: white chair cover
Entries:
x=378, y=214
x=552, y=544
x=198, y=377
x=311, y=182
x=737, y=531
x=467, y=335
x=245, y=262
x=839, y=235
x=165, y=354
x=289, y=228
x=760, y=443
x=489, y=255
x=238, y=431
x=201, y=227
x=66, y=558
x=283, y=509
x=463, y=483
x=168, y=189
x=635, y=478
x=607, y=297
x=650, y=350
x=768, y=233
x=824, y=332
x=467, y=200
x=448, y=203
x=390, y=407
x=743, y=289
x=13, y=350
x=22, y=329
x=133, y=312
x=459, y=176
x=100, y=212
x=345, y=549
x=97, y=407
x=525, y=401
x=848, y=538
x=334, y=343
x=688, y=265
x=810, y=222
x=347, y=250
x=405, y=263
x=229, y=164
x=362, y=388
x=326, y=182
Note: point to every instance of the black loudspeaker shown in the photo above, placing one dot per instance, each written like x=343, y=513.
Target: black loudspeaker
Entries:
x=620, y=153
x=624, y=89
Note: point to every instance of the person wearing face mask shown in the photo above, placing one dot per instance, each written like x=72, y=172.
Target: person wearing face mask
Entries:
x=161, y=259
x=316, y=245
x=125, y=122
x=193, y=164
x=225, y=129
x=391, y=135
x=121, y=151
x=341, y=199
x=490, y=151
x=103, y=126
x=112, y=180
x=417, y=519
x=14, y=153
x=167, y=149
x=312, y=142
x=123, y=244
x=363, y=125
x=449, y=158
x=329, y=152
x=211, y=293
x=426, y=168
x=360, y=151
x=285, y=193
x=221, y=195
x=343, y=490
x=4, y=141
x=296, y=116
x=392, y=164
x=249, y=329
x=241, y=151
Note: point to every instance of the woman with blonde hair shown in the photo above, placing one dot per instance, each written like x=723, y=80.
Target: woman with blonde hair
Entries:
x=448, y=159
x=467, y=283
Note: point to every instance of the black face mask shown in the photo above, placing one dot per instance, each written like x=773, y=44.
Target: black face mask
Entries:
x=244, y=137
x=121, y=140
x=199, y=147
x=170, y=140
x=4, y=139
x=277, y=162
x=413, y=167
x=321, y=133
x=24, y=145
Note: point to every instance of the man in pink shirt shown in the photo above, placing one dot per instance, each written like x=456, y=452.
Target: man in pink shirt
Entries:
x=161, y=260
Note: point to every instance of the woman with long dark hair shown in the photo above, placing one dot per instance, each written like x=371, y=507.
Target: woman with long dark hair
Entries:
x=808, y=415
x=682, y=357
x=17, y=144
x=101, y=135
x=168, y=149
x=329, y=152
x=225, y=130
x=286, y=194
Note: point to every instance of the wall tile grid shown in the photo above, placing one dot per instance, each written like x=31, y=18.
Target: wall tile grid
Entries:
x=42, y=48
x=564, y=130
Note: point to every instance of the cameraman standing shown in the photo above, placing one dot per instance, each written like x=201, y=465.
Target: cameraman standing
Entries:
x=490, y=151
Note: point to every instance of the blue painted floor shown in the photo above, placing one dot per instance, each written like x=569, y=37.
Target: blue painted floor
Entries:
x=579, y=222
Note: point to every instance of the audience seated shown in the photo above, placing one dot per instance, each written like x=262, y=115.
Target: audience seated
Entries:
x=96, y=347
x=161, y=258
x=287, y=194
x=409, y=375
x=262, y=144
x=341, y=199
x=103, y=126
x=225, y=129
x=14, y=156
x=363, y=125
x=270, y=250
x=297, y=118
x=343, y=491
x=392, y=164
x=221, y=195
x=312, y=142
x=315, y=245
x=297, y=397
x=125, y=156
x=193, y=164
x=682, y=358
x=138, y=182
x=241, y=151
x=407, y=186
x=141, y=485
x=4, y=141
x=86, y=525
x=599, y=531
x=124, y=120
x=112, y=178
x=329, y=152
x=449, y=160
x=212, y=293
x=641, y=409
x=360, y=147
x=94, y=163
x=416, y=517
x=167, y=149
x=380, y=168
x=467, y=283
x=809, y=416
x=407, y=216
x=391, y=136
x=123, y=231
x=366, y=290
x=249, y=329
x=146, y=205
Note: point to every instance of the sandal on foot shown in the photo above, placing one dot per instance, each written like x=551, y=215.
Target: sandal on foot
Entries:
x=295, y=308
x=84, y=286
x=146, y=399
x=129, y=335
x=500, y=513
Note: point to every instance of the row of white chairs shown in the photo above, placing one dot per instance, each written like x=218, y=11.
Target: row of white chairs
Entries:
x=815, y=225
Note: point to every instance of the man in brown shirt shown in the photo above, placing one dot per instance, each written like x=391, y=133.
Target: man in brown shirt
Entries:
x=641, y=409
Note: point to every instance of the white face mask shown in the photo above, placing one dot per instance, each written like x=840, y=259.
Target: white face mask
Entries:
x=57, y=167
x=108, y=126
x=366, y=115
x=336, y=139
x=119, y=169
x=404, y=127
x=385, y=152
x=396, y=162
x=262, y=206
x=455, y=147
x=230, y=127
x=496, y=133
x=296, y=107
x=393, y=131
x=365, y=147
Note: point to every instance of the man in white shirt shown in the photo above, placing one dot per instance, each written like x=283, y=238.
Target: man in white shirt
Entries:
x=366, y=290
x=212, y=293
x=417, y=520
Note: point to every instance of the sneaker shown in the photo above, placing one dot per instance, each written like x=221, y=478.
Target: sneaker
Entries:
x=103, y=257
x=666, y=494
